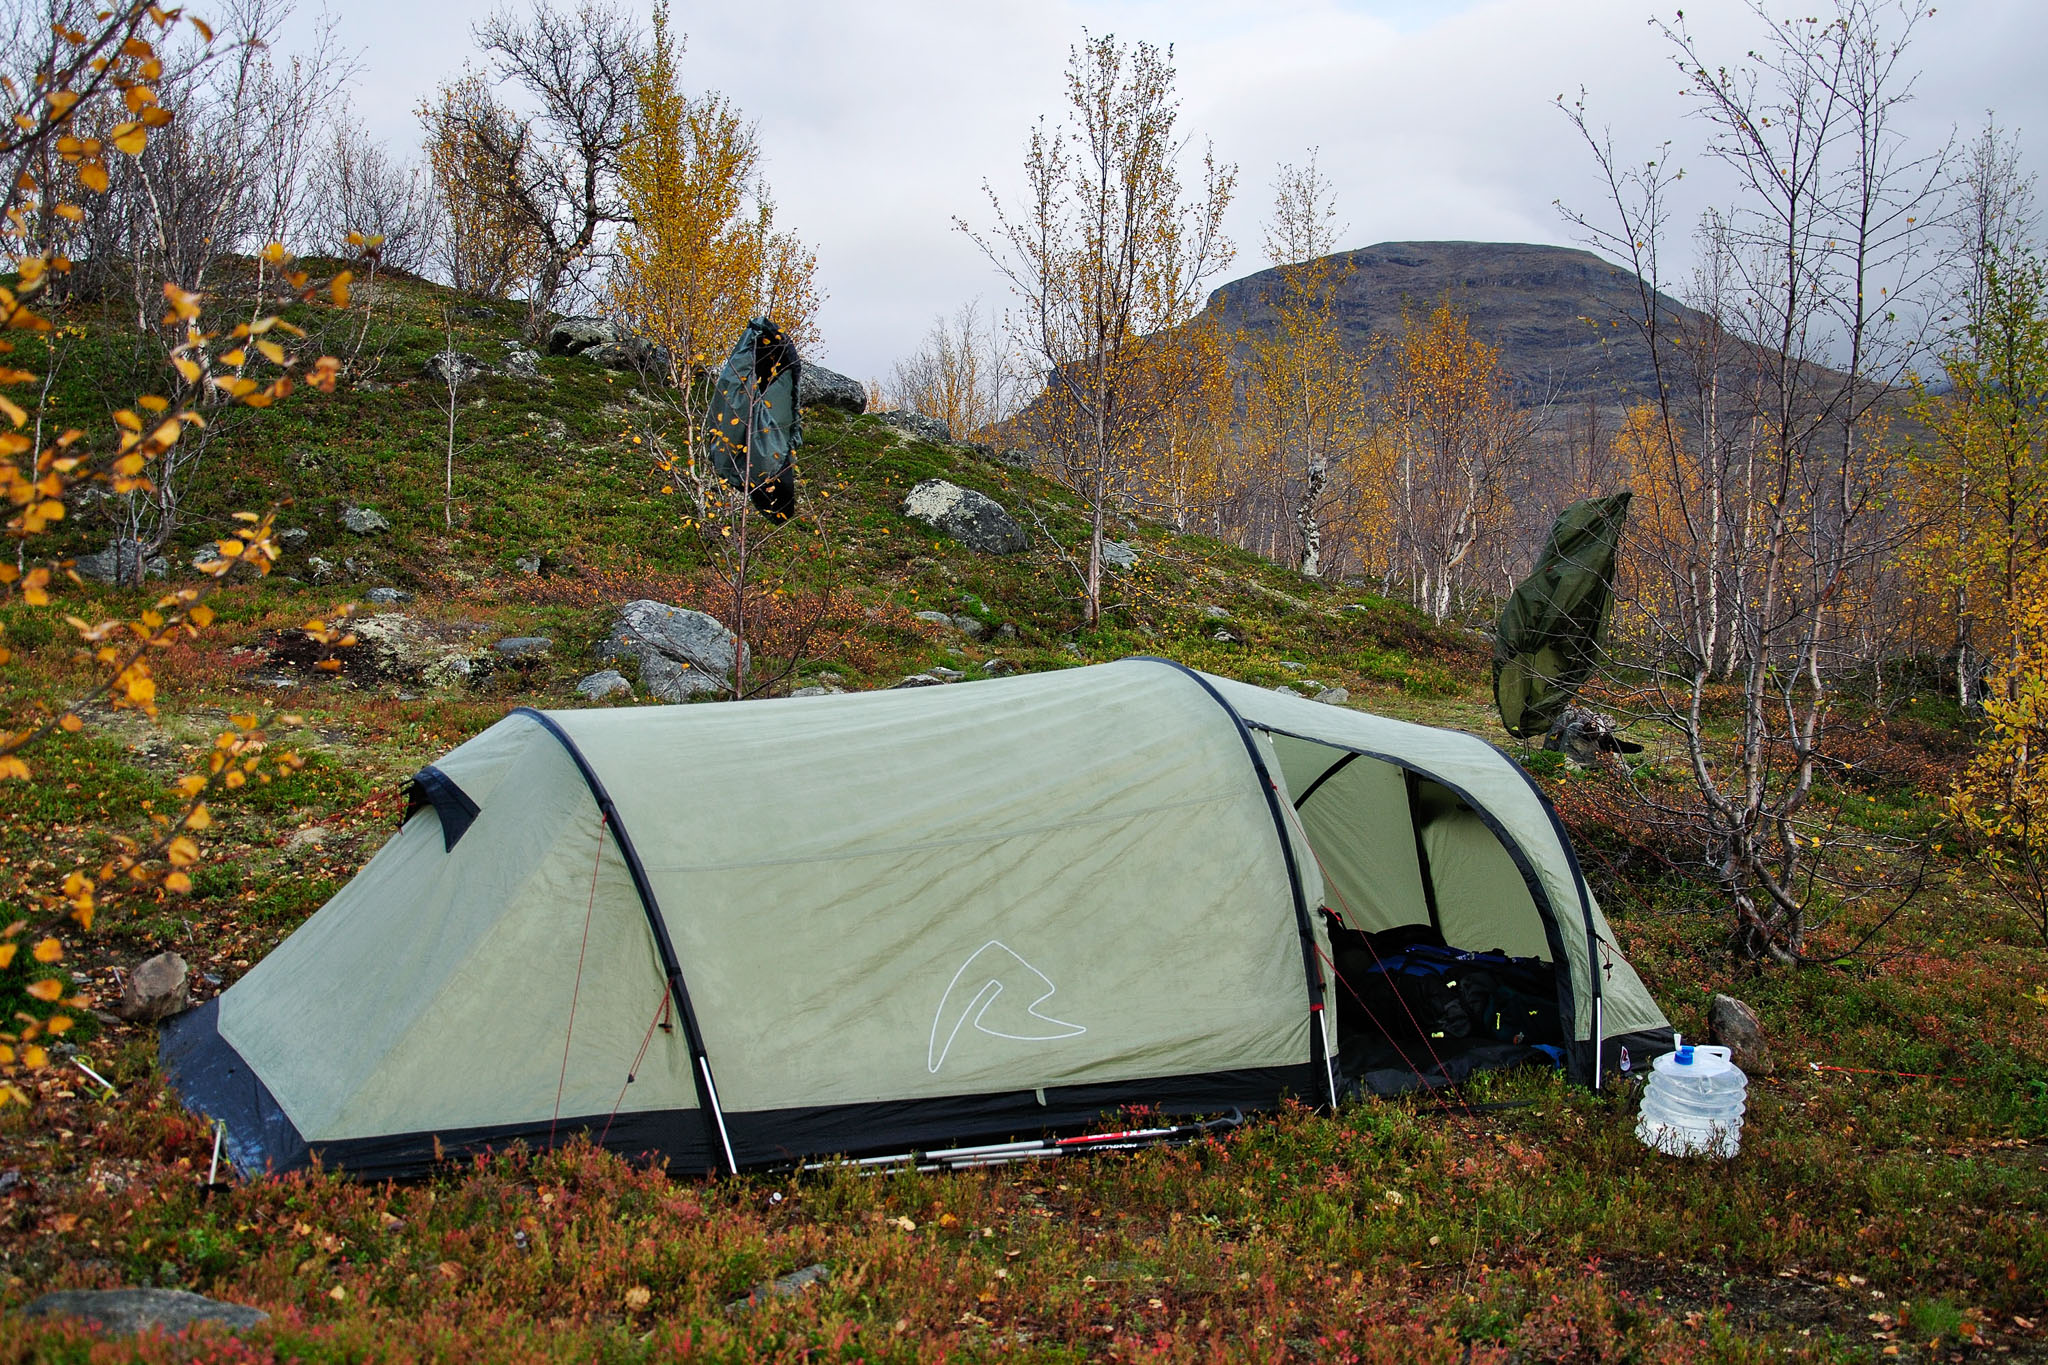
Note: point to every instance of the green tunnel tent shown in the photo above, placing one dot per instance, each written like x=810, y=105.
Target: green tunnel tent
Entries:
x=732, y=936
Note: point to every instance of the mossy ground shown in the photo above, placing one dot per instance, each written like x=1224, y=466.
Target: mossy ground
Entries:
x=1870, y=1215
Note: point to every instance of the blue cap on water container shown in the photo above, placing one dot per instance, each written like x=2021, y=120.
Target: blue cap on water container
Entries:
x=1685, y=1055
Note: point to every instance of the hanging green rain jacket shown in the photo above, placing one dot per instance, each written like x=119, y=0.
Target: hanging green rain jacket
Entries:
x=752, y=427
x=1548, y=639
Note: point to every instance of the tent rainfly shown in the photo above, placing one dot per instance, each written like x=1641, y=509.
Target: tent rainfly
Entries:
x=734, y=936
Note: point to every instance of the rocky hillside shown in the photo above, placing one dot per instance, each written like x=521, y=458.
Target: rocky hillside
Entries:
x=1559, y=315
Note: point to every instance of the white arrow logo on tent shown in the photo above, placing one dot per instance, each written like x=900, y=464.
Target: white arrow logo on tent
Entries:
x=999, y=968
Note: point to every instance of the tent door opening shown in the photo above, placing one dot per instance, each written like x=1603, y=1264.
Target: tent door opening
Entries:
x=1444, y=963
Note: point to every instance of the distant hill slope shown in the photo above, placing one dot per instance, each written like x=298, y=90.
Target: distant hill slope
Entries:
x=1559, y=315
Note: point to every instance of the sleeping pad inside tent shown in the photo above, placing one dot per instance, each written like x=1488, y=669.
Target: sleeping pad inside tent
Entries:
x=738, y=935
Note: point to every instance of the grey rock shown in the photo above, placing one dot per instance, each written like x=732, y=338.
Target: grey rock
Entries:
x=527, y=564
x=387, y=597
x=1735, y=1026
x=672, y=681
x=917, y=424
x=116, y=563
x=521, y=364
x=1216, y=613
x=573, y=336
x=158, y=988
x=364, y=521
x=974, y=519
x=680, y=652
x=126, y=1312
x=205, y=555
x=397, y=646
x=294, y=537
x=1334, y=696
x=996, y=668
x=453, y=368
x=1118, y=555
x=944, y=674
x=1293, y=667
x=320, y=570
x=818, y=387
x=931, y=679
x=970, y=626
x=818, y=690
x=452, y=670
x=1587, y=737
x=627, y=353
x=936, y=618
x=524, y=647
x=1227, y=637
x=607, y=682
x=782, y=1286
x=1006, y=631
x=359, y=567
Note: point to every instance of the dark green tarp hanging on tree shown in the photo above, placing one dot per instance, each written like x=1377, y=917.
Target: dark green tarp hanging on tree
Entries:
x=752, y=427
x=1548, y=639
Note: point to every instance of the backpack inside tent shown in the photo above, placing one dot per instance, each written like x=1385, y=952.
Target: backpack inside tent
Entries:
x=739, y=935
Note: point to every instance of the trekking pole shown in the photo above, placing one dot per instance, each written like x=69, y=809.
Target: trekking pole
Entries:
x=1036, y=1149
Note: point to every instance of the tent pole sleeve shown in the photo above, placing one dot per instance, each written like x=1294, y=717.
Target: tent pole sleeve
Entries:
x=1318, y=1039
x=707, y=1091
x=1414, y=786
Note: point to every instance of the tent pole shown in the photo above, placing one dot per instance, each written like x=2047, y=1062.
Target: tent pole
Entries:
x=1599, y=1029
x=1304, y=926
x=717, y=1113
x=672, y=967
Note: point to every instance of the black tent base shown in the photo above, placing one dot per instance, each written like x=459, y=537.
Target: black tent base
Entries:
x=948, y=1133
x=260, y=1138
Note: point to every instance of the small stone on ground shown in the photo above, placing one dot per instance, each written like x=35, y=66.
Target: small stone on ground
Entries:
x=125, y=1312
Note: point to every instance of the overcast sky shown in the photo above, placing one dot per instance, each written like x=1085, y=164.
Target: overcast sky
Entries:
x=881, y=120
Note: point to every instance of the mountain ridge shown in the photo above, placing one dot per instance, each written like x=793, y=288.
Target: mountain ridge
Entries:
x=1560, y=315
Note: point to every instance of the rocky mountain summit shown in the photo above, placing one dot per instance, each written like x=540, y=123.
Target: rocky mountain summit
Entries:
x=1559, y=315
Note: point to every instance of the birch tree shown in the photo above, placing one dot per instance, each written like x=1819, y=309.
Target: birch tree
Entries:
x=1305, y=386
x=1779, y=503
x=1106, y=247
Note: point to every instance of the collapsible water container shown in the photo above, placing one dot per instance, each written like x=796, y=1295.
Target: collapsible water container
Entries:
x=1693, y=1104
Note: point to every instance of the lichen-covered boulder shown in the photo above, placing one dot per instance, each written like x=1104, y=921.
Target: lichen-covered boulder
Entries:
x=974, y=519
x=680, y=653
